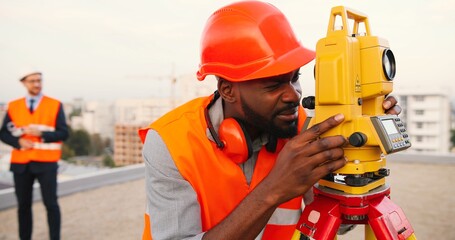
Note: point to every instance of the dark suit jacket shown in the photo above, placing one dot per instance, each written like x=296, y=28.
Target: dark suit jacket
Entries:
x=60, y=134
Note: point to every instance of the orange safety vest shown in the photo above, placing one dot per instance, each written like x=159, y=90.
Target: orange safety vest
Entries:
x=219, y=183
x=44, y=118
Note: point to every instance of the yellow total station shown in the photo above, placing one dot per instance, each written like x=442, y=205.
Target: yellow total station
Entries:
x=354, y=72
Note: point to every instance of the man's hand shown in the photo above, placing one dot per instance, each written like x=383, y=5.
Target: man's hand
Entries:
x=305, y=159
x=25, y=144
x=390, y=106
x=34, y=131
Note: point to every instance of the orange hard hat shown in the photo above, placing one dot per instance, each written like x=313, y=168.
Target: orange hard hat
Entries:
x=250, y=40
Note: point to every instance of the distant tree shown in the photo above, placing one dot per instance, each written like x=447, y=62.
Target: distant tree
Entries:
x=452, y=137
x=97, y=146
x=108, y=161
x=108, y=145
x=67, y=152
x=75, y=112
x=79, y=142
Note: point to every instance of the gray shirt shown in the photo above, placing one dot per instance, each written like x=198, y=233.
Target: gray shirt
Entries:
x=171, y=201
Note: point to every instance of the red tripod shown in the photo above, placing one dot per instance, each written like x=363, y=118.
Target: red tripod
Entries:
x=321, y=219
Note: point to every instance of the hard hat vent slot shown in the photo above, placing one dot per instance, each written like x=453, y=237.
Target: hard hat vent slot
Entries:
x=223, y=10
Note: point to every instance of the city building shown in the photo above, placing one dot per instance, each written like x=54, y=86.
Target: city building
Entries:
x=141, y=111
x=132, y=114
x=127, y=145
x=188, y=87
x=96, y=117
x=427, y=116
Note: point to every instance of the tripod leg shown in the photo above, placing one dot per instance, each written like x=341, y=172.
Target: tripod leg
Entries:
x=369, y=234
x=321, y=219
x=299, y=236
x=388, y=220
x=412, y=237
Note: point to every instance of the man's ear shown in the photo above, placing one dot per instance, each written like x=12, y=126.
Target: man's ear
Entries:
x=227, y=90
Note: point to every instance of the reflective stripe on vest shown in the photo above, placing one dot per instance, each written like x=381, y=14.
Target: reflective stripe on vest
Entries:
x=219, y=183
x=47, y=146
x=43, y=128
x=44, y=118
x=283, y=216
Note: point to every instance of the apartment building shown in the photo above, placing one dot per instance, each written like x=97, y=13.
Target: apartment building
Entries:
x=188, y=87
x=427, y=115
x=96, y=117
x=127, y=145
x=132, y=114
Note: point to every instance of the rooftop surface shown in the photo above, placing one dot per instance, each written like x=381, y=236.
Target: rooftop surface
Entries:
x=424, y=191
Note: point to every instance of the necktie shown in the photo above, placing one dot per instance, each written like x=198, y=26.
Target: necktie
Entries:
x=31, y=105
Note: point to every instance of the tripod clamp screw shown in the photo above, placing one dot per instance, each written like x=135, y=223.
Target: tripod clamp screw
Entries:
x=384, y=172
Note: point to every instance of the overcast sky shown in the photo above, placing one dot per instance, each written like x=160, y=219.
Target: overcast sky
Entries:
x=104, y=50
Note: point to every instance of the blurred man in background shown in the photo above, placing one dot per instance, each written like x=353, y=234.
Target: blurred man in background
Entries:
x=35, y=127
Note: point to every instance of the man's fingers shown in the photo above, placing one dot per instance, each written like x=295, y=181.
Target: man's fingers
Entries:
x=25, y=143
x=32, y=131
x=394, y=111
x=325, y=156
x=328, y=167
x=389, y=102
x=315, y=131
x=323, y=144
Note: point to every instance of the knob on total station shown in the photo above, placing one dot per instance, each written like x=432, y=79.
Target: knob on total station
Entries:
x=357, y=139
x=309, y=102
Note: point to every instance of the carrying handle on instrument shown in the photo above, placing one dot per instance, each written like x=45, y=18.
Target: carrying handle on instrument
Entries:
x=345, y=14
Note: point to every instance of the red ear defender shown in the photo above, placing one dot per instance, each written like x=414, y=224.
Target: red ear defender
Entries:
x=232, y=137
x=237, y=143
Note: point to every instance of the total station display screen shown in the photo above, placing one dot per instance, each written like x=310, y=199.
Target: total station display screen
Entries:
x=389, y=126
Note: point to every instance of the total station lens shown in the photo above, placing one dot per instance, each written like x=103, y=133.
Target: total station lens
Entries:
x=388, y=64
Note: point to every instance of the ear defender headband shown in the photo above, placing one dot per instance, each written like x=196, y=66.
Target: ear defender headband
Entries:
x=232, y=137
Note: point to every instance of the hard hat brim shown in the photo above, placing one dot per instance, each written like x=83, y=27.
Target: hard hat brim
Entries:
x=28, y=74
x=266, y=67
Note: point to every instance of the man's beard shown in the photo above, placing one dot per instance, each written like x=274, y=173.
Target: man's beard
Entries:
x=265, y=125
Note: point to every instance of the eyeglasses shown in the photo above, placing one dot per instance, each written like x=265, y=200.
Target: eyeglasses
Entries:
x=33, y=81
